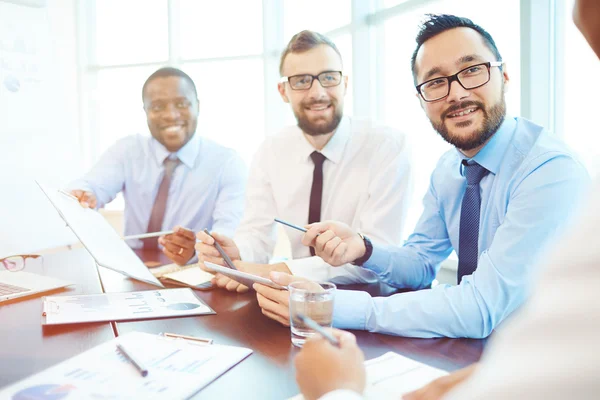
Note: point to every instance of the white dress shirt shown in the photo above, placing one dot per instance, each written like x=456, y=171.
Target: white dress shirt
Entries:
x=207, y=189
x=366, y=184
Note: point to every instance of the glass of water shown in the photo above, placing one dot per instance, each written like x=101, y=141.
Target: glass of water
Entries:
x=314, y=300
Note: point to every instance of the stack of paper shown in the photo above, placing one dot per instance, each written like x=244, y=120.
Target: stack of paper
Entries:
x=392, y=375
x=176, y=370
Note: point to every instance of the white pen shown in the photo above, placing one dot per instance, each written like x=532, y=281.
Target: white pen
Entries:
x=133, y=360
x=312, y=324
x=147, y=235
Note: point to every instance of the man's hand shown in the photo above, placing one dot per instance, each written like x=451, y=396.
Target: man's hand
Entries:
x=263, y=270
x=335, y=242
x=275, y=303
x=207, y=251
x=86, y=199
x=322, y=367
x=441, y=386
x=179, y=246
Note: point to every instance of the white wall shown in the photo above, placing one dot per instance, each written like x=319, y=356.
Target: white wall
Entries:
x=39, y=123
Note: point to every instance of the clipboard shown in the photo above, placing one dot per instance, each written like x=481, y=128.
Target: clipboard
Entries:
x=100, y=240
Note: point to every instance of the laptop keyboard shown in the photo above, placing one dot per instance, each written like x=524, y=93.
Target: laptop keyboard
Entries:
x=6, y=289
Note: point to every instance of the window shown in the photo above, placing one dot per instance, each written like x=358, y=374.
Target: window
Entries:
x=581, y=91
x=315, y=15
x=115, y=35
x=401, y=107
x=206, y=35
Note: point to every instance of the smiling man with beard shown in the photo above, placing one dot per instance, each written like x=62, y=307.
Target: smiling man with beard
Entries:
x=329, y=166
x=498, y=199
x=173, y=178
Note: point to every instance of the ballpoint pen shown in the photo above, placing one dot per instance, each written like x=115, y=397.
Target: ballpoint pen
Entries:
x=133, y=360
x=222, y=252
x=318, y=328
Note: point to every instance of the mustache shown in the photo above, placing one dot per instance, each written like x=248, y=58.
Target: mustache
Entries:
x=317, y=102
x=462, y=105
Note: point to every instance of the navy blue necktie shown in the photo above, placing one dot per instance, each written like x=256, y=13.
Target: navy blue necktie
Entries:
x=468, y=247
x=316, y=191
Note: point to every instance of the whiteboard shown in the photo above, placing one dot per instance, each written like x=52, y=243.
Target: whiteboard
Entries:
x=39, y=136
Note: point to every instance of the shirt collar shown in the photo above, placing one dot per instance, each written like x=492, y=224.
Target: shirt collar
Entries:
x=187, y=154
x=491, y=155
x=334, y=149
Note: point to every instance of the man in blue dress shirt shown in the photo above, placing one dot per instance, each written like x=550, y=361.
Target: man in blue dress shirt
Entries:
x=174, y=178
x=497, y=198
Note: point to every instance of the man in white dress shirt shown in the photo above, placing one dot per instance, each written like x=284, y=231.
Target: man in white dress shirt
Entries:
x=329, y=166
x=549, y=351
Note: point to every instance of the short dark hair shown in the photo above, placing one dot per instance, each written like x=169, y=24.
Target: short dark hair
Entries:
x=439, y=23
x=166, y=72
x=305, y=41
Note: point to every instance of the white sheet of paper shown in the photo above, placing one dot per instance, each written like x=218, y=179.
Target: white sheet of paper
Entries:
x=392, y=375
x=176, y=370
x=95, y=233
x=123, y=306
x=190, y=276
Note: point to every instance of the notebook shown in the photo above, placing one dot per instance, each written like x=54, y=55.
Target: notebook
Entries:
x=188, y=275
x=177, y=369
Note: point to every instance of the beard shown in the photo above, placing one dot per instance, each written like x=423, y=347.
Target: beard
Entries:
x=316, y=129
x=492, y=119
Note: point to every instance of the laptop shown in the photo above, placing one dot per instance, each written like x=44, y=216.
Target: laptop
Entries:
x=21, y=284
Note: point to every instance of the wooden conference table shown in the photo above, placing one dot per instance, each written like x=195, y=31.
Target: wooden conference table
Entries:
x=26, y=348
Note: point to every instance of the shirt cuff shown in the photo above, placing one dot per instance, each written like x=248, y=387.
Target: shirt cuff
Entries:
x=341, y=394
x=378, y=260
x=351, y=309
x=315, y=269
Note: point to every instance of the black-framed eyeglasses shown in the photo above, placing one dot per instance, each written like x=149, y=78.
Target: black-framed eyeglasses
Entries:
x=469, y=78
x=19, y=262
x=305, y=81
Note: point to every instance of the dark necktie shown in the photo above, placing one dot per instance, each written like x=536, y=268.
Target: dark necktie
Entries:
x=468, y=247
x=160, y=203
x=316, y=191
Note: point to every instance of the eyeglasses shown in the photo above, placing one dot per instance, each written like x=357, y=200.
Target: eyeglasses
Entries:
x=305, y=81
x=469, y=78
x=18, y=263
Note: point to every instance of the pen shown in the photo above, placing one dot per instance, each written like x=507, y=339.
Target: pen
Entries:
x=68, y=194
x=190, y=338
x=319, y=329
x=290, y=225
x=222, y=252
x=147, y=235
x=136, y=363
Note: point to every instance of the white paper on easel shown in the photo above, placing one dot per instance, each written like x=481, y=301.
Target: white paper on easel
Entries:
x=176, y=370
x=103, y=243
x=164, y=303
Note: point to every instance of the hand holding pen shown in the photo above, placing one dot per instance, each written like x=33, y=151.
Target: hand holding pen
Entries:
x=216, y=248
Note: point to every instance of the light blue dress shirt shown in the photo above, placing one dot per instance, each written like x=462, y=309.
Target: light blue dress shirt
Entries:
x=533, y=186
x=207, y=189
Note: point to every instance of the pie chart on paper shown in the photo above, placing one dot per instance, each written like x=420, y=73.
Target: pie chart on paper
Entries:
x=44, y=392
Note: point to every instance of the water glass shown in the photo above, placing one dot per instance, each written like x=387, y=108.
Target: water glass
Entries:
x=314, y=300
